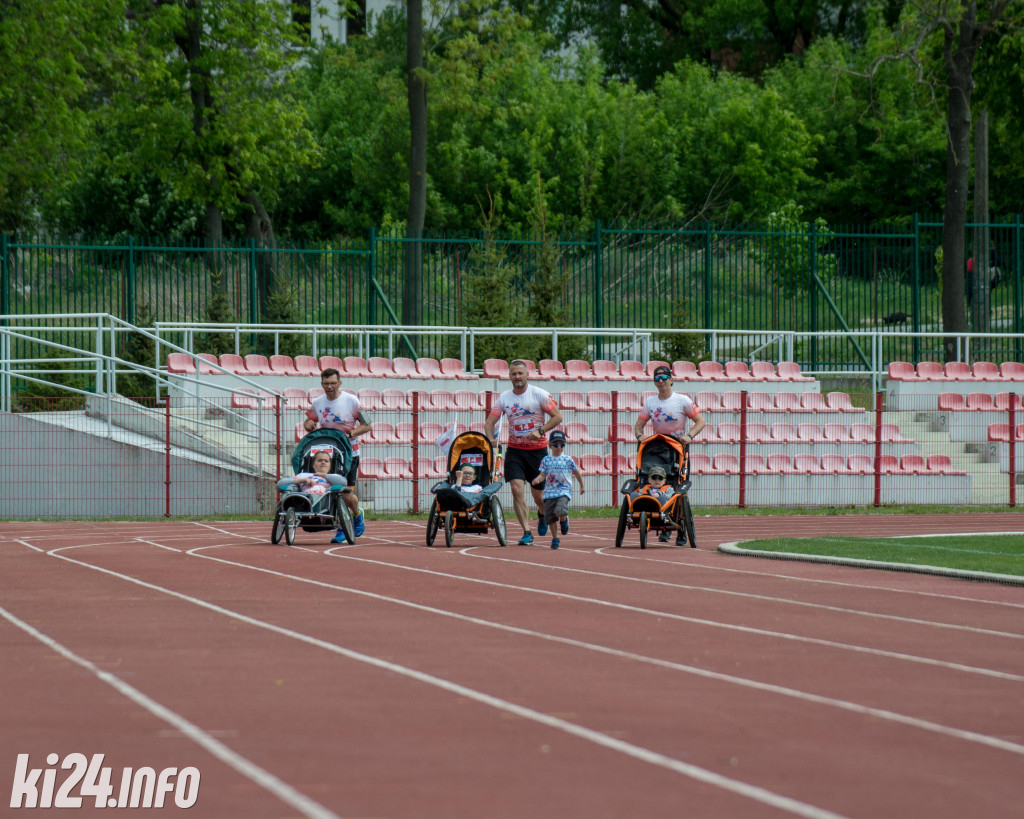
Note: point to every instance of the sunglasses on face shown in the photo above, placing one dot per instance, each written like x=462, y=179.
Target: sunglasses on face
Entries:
x=661, y=378
x=557, y=446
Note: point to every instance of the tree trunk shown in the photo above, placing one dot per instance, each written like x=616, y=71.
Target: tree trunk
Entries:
x=978, y=284
x=260, y=230
x=412, y=299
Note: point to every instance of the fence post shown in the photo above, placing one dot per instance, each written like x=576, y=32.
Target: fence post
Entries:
x=615, y=447
x=130, y=295
x=878, y=448
x=415, y=452
x=1018, y=271
x=743, y=449
x=598, y=287
x=5, y=277
x=167, y=457
x=371, y=302
x=814, y=296
x=707, y=277
x=916, y=294
x=1013, y=449
x=253, y=289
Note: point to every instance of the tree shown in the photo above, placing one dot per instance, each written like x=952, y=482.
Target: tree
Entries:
x=412, y=295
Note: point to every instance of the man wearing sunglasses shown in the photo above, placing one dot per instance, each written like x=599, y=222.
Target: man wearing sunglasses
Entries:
x=669, y=412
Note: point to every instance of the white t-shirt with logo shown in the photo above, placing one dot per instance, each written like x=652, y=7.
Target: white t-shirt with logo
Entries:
x=342, y=414
x=669, y=416
x=525, y=413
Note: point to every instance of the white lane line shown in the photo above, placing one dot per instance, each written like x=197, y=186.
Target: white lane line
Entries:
x=753, y=792
x=266, y=780
x=750, y=596
x=876, y=713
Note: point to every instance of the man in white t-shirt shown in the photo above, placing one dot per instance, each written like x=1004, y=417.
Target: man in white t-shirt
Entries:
x=342, y=411
x=669, y=412
x=525, y=406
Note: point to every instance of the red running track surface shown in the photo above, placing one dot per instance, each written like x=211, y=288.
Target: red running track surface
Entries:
x=392, y=680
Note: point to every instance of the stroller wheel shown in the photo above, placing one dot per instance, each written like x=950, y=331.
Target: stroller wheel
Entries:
x=498, y=519
x=278, y=530
x=620, y=532
x=449, y=529
x=642, y=525
x=688, y=522
x=290, y=525
x=433, y=523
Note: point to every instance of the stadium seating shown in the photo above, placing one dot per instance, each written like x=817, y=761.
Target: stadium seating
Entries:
x=282, y=365
x=180, y=363
x=404, y=367
x=307, y=365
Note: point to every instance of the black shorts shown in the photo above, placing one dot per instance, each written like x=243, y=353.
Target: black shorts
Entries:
x=523, y=464
x=353, y=473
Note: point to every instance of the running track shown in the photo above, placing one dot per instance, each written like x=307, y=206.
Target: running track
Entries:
x=392, y=680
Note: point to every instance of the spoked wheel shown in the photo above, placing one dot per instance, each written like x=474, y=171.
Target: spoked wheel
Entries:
x=278, y=530
x=291, y=523
x=688, y=522
x=642, y=526
x=620, y=532
x=343, y=520
x=449, y=529
x=433, y=522
x=498, y=519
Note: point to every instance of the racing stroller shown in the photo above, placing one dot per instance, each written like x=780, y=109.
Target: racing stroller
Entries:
x=645, y=513
x=461, y=511
x=316, y=513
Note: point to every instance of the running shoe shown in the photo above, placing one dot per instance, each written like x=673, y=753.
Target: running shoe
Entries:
x=555, y=543
x=339, y=537
x=526, y=540
x=665, y=536
x=542, y=525
x=564, y=525
x=681, y=538
x=358, y=526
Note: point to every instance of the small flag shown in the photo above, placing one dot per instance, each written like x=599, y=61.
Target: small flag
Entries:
x=445, y=441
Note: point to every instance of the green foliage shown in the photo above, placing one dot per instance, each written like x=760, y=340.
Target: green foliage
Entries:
x=52, y=396
x=219, y=310
x=138, y=349
x=681, y=346
x=283, y=308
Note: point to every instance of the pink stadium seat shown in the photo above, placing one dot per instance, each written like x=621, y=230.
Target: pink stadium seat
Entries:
x=256, y=364
x=731, y=401
x=736, y=371
x=204, y=364
x=332, y=362
x=753, y=464
x=788, y=402
x=282, y=365
x=396, y=468
x=404, y=367
x=902, y=371
x=496, y=368
x=833, y=464
x=577, y=433
x=572, y=400
x=452, y=368
x=942, y=465
x=814, y=402
x=632, y=371
x=314, y=393
x=860, y=465
x=429, y=432
x=599, y=401
x=763, y=371
x=607, y=370
x=428, y=368
x=862, y=433
x=591, y=464
x=840, y=402
x=999, y=432
x=576, y=368
x=307, y=365
x=295, y=398
x=423, y=401
x=981, y=401
x=381, y=432
x=403, y=432
x=725, y=463
x=467, y=400
x=709, y=401
x=930, y=371
x=951, y=402
x=616, y=465
x=371, y=468
x=652, y=366
x=790, y=371
x=807, y=464
x=700, y=464
x=685, y=371
x=356, y=366
x=369, y=399
x=628, y=402
x=423, y=468
x=957, y=371
x=728, y=433
x=891, y=434
x=809, y=434
x=783, y=433
x=986, y=371
x=836, y=433
x=442, y=401
x=233, y=363
x=380, y=367
x=780, y=463
x=758, y=433
x=180, y=364
x=393, y=399
x=760, y=402
x=244, y=399
x=300, y=431
x=548, y=368
x=711, y=370
x=1012, y=370
x=914, y=464
x=621, y=432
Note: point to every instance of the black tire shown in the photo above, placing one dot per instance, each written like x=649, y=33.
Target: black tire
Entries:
x=498, y=521
x=290, y=525
x=642, y=526
x=433, y=522
x=343, y=520
x=278, y=530
x=620, y=532
x=449, y=529
x=688, y=522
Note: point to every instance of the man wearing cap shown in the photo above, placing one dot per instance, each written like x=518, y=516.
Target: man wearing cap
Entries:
x=525, y=406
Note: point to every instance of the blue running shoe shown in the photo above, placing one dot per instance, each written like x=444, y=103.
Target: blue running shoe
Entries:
x=526, y=540
x=542, y=525
x=555, y=543
x=564, y=526
x=339, y=537
x=358, y=526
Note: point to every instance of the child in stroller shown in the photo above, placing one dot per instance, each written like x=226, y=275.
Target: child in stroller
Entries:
x=665, y=461
x=312, y=500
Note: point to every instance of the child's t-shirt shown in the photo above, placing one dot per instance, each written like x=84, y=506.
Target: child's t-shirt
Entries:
x=319, y=484
x=558, y=469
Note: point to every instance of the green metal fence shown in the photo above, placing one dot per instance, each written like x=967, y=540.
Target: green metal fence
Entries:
x=618, y=276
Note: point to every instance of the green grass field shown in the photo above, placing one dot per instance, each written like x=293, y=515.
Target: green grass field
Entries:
x=996, y=554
